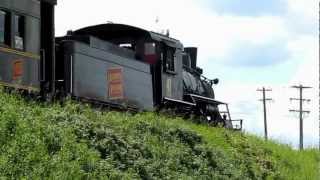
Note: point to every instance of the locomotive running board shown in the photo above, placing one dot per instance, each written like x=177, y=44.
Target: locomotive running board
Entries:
x=179, y=101
x=195, y=97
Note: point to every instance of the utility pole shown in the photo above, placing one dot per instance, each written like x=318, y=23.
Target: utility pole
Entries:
x=300, y=111
x=319, y=77
x=264, y=100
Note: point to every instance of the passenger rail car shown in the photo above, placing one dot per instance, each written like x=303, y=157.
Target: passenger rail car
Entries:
x=27, y=44
x=113, y=64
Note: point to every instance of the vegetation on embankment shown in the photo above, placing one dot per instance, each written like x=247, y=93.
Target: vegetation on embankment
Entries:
x=74, y=141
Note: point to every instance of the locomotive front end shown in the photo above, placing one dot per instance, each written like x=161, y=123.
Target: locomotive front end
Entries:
x=199, y=90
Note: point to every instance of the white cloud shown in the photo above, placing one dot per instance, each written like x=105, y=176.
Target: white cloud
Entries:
x=306, y=8
x=216, y=35
x=303, y=47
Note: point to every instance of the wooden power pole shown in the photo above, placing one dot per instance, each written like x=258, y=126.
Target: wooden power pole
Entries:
x=264, y=100
x=300, y=111
x=319, y=76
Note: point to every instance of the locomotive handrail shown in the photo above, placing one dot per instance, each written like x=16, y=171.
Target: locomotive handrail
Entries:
x=179, y=101
x=237, y=120
x=205, y=98
x=238, y=127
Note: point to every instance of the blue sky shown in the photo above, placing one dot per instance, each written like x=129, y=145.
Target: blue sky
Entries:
x=245, y=43
x=256, y=56
x=248, y=7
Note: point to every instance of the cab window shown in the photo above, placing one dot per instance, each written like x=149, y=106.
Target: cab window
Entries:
x=169, y=58
x=4, y=28
x=19, y=32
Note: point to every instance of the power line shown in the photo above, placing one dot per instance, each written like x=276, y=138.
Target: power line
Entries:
x=300, y=111
x=264, y=100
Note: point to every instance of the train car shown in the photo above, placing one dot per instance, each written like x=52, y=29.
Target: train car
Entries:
x=27, y=44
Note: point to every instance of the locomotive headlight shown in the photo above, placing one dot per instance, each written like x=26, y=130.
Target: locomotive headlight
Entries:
x=214, y=81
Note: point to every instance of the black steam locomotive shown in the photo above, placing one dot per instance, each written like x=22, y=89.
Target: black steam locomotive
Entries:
x=113, y=64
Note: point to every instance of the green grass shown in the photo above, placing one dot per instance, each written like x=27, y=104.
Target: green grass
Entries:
x=74, y=141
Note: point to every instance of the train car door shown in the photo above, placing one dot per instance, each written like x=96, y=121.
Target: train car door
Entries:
x=47, y=46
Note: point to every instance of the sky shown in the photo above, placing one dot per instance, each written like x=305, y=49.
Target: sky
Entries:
x=247, y=44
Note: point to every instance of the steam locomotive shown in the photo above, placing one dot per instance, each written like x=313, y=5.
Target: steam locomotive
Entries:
x=113, y=64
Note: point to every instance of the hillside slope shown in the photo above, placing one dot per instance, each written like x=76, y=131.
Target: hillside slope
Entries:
x=73, y=141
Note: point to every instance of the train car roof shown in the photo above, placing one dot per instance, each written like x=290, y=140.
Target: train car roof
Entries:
x=110, y=30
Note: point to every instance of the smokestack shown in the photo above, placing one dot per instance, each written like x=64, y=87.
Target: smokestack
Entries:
x=193, y=53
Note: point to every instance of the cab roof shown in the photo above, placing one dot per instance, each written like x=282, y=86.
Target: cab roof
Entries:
x=110, y=30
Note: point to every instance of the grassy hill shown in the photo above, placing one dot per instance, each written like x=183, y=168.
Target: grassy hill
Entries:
x=74, y=141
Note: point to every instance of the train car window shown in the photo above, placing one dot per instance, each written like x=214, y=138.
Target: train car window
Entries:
x=4, y=27
x=19, y=31
x=170, y=53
